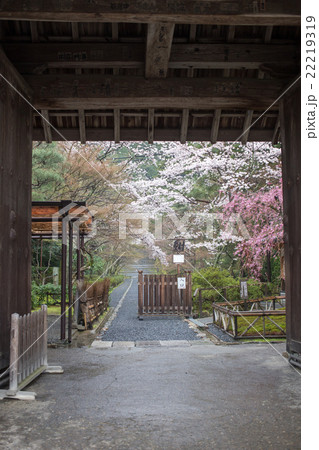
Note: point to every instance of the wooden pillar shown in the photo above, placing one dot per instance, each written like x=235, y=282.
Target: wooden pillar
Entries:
x=63, y=277
x=82, y=255
x=290, y=114
x=70, y=281
x=15, y=202
x=78, y=253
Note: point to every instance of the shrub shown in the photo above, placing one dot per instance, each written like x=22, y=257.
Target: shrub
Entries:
x=115, y=280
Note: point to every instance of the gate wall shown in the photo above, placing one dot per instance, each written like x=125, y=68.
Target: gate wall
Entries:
x=158, y=294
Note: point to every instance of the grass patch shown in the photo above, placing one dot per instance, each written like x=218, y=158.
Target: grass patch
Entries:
x=270, y=328
x=53, y=310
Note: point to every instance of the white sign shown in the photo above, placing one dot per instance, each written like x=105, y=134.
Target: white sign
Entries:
x=181, y=283
x=243, y=289
x=178, y=259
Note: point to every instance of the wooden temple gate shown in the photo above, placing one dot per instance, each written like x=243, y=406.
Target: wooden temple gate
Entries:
x=159, y=294
x=225, y=70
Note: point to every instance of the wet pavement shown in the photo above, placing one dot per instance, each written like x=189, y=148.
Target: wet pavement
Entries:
x=200, y=396
x=185, y=393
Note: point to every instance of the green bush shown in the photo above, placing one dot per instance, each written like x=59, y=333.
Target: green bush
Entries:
x=39, y=294
x=226, y=286
x=115, y=280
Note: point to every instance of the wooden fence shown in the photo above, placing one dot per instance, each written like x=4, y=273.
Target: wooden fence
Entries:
x=28, y=353
x=267, y=303
x=228, y=320
x=159, y=294
x=93, y=300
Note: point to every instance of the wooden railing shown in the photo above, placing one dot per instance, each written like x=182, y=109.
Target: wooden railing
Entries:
x=228, y=320
x=159, y=294
x=93, y=300
x=28, y=353
x=267, y=303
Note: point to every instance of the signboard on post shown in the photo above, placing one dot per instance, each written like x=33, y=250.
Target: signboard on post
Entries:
x=243, y=290
x=179, y=259
x=181, y=283
x=179, y=245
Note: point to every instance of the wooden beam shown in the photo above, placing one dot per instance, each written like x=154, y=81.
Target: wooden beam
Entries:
x=34, y=58
x=214, y=12
x=141, y=134
x=101, y=92
x=184, y=127
x=13, y=76
x=82, y=126
x=246, y=127
x=215, y=126
x=150, y=126
x=117, y=125
x=158, y=49
x=46, y=127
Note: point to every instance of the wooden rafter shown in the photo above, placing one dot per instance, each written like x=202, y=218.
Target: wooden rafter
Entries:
x=117, y=125
x=34, y=31
x=275, y=136
x=184, y=127
x=82, y=126
x=192, y=33
x=221, y=12
x=215, y=126
x=158, y=49
x=246, y=127
x=150, y=126
x=46, y=127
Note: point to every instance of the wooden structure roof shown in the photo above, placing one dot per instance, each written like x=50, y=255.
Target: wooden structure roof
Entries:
x=152, y=70
x=46, y=218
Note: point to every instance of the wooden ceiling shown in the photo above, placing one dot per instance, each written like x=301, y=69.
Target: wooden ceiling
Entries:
x=152, y=70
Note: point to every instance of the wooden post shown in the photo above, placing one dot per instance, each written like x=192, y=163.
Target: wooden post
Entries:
x=82, y=254
x=146, y=301
x=236, y=327
x=151, y=302
x=70, y=281
x=290, y=118
x=15, y=201
x=63, y=278
x=14, y=353
x=78, y=254
x=173, y=279
x=200, y=303
x=140, y=293
x=44, y=309
x=162, y=293
x=190, y=298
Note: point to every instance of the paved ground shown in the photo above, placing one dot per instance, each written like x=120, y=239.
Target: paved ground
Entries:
x=127, y=327
x=199, y=396
x=159, y=394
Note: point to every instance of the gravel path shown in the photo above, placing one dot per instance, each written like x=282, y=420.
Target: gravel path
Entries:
x=127, y=327
x=220, y=334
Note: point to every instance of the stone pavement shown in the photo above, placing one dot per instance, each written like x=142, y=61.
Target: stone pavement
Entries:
x=195, y=396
